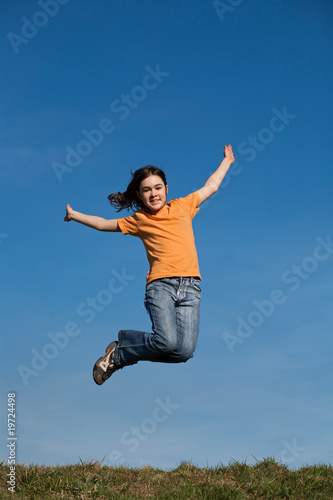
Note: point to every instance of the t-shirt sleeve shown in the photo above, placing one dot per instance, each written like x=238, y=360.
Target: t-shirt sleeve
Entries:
x=190, y=203
x=129, y=225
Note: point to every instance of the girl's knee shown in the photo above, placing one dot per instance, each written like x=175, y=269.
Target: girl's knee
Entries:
x=167, y=346
x=170, y=346
x=185, y=355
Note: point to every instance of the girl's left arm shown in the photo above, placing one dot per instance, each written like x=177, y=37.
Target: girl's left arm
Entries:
x=213, y=182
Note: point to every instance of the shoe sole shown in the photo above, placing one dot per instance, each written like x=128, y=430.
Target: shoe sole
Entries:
x=97, y=370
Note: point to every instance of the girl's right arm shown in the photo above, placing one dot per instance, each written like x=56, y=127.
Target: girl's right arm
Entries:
x=91, y=220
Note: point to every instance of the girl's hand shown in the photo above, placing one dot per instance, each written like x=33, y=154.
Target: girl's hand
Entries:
x=228, y=154
x=69, y=213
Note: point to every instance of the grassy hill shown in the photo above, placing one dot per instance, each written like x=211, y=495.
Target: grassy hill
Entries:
x=266, y=480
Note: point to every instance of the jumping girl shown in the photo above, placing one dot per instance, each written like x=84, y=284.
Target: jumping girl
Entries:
x=173, y=292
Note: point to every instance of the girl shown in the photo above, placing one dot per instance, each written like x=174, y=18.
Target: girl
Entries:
x=173, y=292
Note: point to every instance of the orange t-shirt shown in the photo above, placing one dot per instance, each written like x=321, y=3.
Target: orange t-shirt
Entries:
x=168, y=237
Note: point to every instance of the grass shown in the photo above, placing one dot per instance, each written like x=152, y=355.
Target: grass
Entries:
x=267, y=480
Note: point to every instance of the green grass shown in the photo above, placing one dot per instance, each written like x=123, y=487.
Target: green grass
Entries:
x=266, y=480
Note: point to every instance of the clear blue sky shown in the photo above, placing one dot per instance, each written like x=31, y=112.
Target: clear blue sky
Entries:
x=168, y=83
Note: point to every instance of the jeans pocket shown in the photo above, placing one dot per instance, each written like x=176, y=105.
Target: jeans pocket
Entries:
x=197, y=285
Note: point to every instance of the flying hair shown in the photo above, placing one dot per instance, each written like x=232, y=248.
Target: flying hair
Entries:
x=129, y=199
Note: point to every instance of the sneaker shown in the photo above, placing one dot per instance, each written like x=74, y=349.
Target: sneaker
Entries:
x=104, y=366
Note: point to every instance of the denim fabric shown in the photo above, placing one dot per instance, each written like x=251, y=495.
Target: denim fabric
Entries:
x=173, y=305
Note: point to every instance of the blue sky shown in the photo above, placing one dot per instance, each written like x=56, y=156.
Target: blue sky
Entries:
x=94, y=89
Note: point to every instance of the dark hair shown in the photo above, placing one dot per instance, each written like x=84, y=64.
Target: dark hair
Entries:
x=129, y=198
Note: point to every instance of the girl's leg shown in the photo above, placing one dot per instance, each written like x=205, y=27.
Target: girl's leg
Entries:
x=173, y=306
x=188, y=318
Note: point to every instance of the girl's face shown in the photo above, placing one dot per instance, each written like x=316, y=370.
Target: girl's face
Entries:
x=153, y=193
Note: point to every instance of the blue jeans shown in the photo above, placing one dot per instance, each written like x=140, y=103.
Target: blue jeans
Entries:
x=173, y=305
